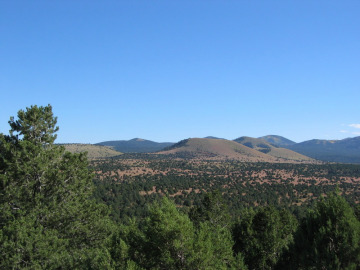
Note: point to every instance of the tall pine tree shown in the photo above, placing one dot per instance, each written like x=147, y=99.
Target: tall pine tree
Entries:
x=47, y=219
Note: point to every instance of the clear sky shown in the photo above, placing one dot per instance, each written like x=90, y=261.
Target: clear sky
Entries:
x=170, y=70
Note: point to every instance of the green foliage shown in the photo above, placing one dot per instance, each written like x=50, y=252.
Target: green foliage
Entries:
x=213, y=248
x=37, y=125
x=47, y=219
x=212, y=209
x=164, y=240
x=214, y=243
x=329, y=236
x=167, y=239
x=263, y=235
x=125, y=247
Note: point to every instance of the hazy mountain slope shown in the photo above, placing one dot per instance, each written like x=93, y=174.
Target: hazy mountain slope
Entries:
x=254, y=143
x=277, y=140
x=265, y=147
x=212, y=137
x=136, y=145
x=217, y=148
x=346, y=150
x=94, y=151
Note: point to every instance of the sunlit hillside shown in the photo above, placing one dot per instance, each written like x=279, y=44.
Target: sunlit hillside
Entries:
x=94, y=151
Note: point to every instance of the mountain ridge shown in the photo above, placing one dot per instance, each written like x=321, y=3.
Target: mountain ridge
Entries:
x=136, y=145
x=223, y=149
x=344, y=151
x=277, y=140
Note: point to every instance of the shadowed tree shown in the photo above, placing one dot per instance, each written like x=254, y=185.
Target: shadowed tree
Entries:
x=329, y=237
x=263, y=235
x=212, y=220
x=212, y=209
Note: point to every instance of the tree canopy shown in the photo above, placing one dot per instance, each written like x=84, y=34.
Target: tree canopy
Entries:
x=47, y=218
x=329, y=236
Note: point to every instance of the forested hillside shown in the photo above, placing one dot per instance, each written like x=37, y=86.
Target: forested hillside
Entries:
x=130, y=182
x=277, y=140
x=346, y=150
x=147, y=212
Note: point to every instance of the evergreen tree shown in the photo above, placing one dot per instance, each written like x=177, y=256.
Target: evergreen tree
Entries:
x=167, y=239
x=213, y=245
x=329, y=237
x=47, y=220
x=212, y=209
x=213, y=248
x=263, y=235
x=163, y=241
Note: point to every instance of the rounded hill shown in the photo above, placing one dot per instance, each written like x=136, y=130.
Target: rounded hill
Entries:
x=216, y=149
x=267, y=148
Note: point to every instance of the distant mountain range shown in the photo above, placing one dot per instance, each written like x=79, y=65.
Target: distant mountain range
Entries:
x=136, y=145
x=346, y=150
x=274, y=147
x=343, y=151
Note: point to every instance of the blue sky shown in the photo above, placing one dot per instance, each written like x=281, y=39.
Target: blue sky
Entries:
x=169, y=70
